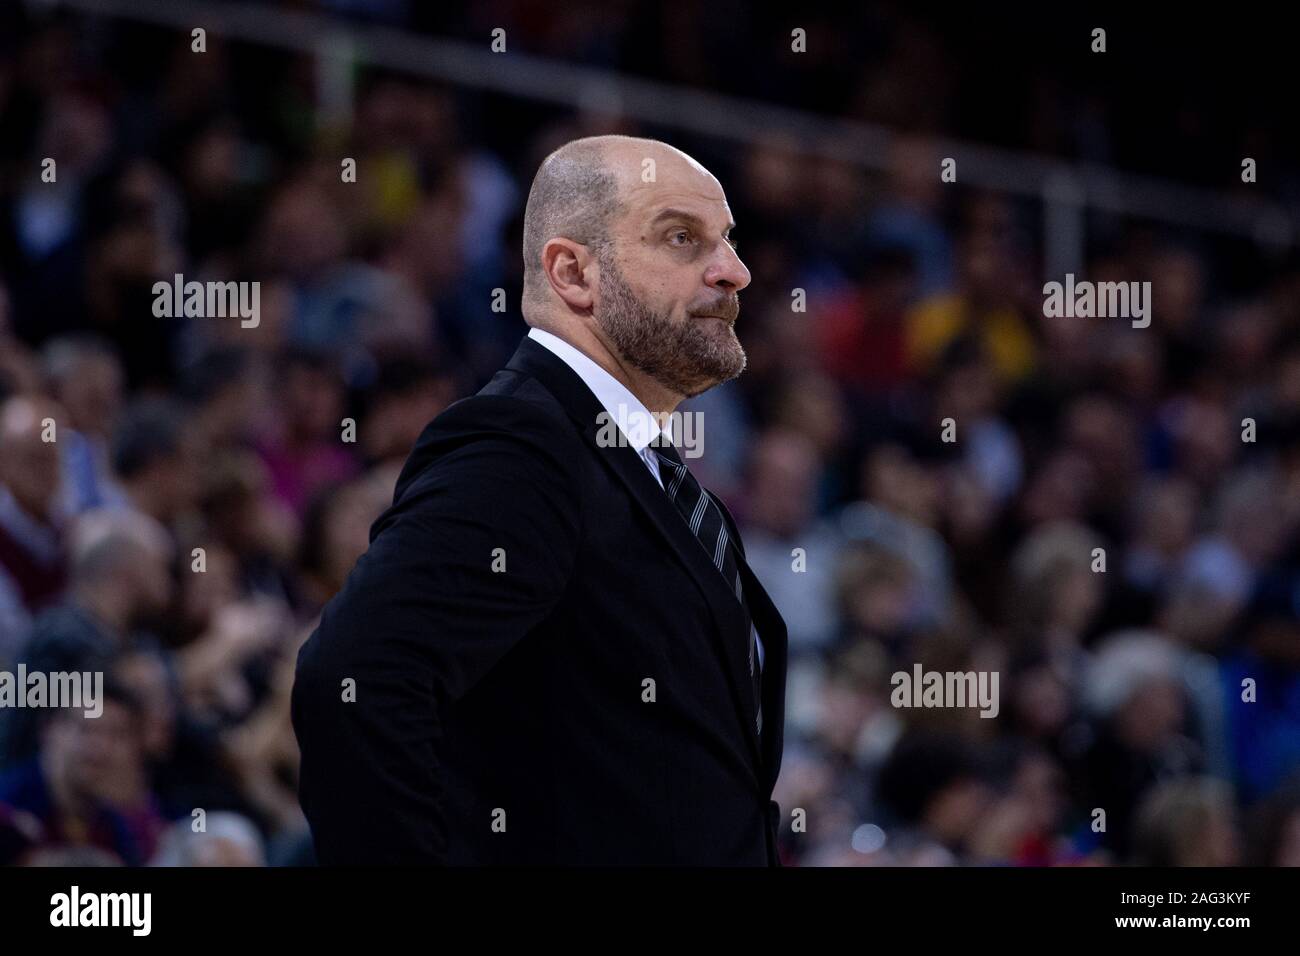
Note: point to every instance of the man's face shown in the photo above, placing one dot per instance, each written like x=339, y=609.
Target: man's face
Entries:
x=669, y=278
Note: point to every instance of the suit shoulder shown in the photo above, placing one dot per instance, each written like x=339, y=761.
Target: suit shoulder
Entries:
x=514, y=417
x=511, y=404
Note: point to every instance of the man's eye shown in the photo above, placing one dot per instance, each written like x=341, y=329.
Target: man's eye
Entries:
x=681, y=233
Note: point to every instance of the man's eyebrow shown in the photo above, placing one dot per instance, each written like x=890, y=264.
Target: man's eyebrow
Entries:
x=685, y=216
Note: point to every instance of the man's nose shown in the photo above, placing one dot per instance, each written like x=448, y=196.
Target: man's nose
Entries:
x=727, y=272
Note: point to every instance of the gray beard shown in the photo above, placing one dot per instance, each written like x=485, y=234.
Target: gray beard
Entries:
x=688, y=358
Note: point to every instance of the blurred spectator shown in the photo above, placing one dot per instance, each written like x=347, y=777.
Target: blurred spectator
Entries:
x=1187, y=823
x=898, y=513
x=121, y=581
x=86, y=786
x=936, y=791
x=255, y=529
x=792, y=553
x=304, y=450
x=85, y=376
x=1135, y=688
x=860, y=330
x=226, y=390
x=984, y=307
x=226, y=840
x=1261, y=685
x=407, y=394
x=155, y=458
x=1055, y=593
x=32, y=572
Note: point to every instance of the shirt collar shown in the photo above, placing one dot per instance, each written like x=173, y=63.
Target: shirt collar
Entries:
x=634, y=420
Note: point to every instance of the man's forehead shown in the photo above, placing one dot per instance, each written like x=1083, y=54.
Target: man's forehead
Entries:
x=649, y=206
x=658, y=176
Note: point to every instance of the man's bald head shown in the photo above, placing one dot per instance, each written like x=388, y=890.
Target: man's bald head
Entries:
x=575, y=195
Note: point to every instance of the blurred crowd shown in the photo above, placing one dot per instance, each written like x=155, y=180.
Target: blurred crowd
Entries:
x=1105, y=532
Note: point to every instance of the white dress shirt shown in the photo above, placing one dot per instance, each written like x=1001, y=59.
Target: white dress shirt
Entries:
x=634, y=420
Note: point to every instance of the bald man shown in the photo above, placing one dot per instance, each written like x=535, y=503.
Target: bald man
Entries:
x=553, y=651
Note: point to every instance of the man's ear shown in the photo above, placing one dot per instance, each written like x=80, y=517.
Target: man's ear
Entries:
x=570, y=269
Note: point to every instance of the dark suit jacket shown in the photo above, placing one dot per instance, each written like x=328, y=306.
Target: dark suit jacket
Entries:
x=500, y=716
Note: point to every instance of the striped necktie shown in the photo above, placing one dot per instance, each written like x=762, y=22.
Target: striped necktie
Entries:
x=704, y=517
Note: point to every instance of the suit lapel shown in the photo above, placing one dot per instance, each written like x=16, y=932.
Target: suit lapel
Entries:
x=772, y=632
x=728, y=635
x=731, y=639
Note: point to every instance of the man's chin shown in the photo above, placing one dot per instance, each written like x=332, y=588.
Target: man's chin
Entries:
x=720, y=369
